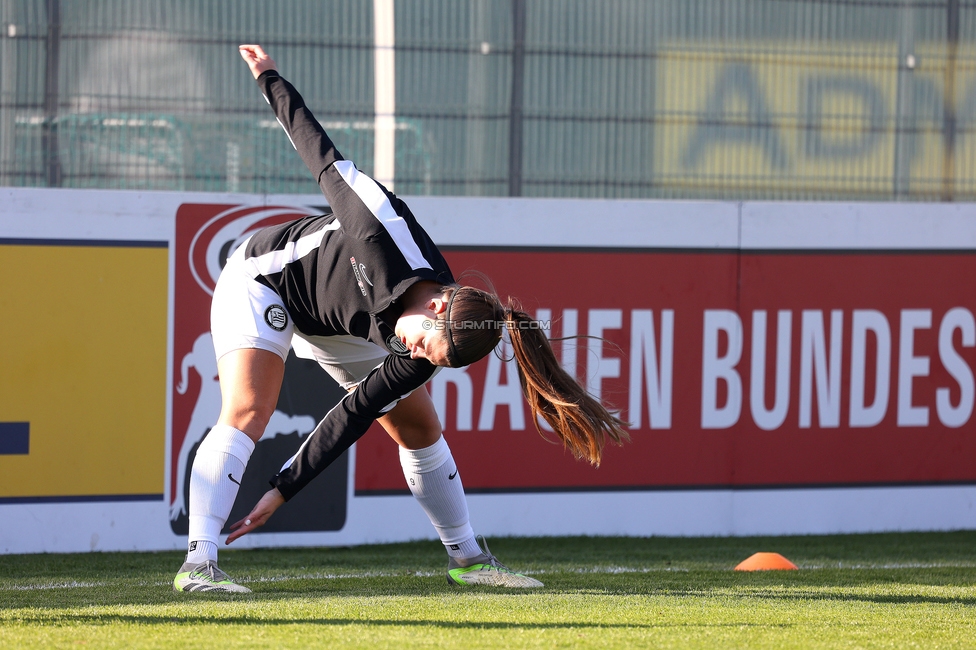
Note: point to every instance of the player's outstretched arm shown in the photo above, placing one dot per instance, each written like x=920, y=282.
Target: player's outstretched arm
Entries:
x=258, y=516
x=257, y=59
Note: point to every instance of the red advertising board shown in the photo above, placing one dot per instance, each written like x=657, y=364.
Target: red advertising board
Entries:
x=206, y=234
x=733, y=368
x=769, y=369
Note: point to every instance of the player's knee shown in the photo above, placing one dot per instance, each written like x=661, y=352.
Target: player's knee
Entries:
x=252, y=420
x=416, y=435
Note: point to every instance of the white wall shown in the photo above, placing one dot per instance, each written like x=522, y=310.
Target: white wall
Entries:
x=143, y=525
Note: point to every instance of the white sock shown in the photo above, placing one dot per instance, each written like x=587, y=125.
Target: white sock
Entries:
x=216, y=476
x=201, y=551
x=433, y=479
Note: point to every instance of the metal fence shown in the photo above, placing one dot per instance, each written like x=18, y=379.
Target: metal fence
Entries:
x=740, y=99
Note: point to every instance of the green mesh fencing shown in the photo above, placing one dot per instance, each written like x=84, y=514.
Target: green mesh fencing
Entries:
x=742, y=99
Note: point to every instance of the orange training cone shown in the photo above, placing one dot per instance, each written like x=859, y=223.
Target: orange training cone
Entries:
x=766, y=562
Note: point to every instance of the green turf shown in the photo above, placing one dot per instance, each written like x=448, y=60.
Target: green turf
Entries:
x=854, y=591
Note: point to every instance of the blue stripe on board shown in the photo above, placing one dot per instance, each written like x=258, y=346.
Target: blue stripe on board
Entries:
x=90, y=243
x=14, y=438
x=90, y=498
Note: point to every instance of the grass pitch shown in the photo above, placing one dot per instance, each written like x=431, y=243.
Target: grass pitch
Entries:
x=858, y=591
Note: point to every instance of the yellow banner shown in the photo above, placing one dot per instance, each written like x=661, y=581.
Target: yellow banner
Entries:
x=848, y=119
x=943, y=160
x=82, y=370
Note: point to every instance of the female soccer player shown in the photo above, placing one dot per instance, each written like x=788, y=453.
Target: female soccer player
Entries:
x=366, y=293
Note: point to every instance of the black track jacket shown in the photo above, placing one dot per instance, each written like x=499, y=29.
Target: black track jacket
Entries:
x=343, y=274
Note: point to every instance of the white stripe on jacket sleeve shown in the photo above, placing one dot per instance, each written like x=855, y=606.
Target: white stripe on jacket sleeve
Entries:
x=378, y=203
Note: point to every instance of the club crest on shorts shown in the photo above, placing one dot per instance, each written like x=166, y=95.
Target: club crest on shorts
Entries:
x=276, y=317
x=396, y=346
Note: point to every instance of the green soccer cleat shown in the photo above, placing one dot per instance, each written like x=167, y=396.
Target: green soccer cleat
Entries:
x=486, y=570
x=206, y=577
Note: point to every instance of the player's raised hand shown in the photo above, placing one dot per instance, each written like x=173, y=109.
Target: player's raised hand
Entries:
x=257, y=59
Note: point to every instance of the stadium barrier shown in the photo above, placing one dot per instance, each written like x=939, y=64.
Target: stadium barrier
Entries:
x=786, y=368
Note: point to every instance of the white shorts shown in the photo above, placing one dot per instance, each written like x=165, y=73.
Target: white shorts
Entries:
x=246, y=314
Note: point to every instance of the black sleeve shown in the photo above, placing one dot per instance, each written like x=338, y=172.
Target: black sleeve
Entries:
x=350, y=419
x=308, y=137
x=320, y=155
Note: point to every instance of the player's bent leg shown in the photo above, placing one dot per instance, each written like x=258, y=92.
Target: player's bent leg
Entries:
x=250, y=380
x=433, y=478
x=430, y=471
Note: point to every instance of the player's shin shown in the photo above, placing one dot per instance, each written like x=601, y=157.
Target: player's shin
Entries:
x=433, y=479
x=214, y=481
